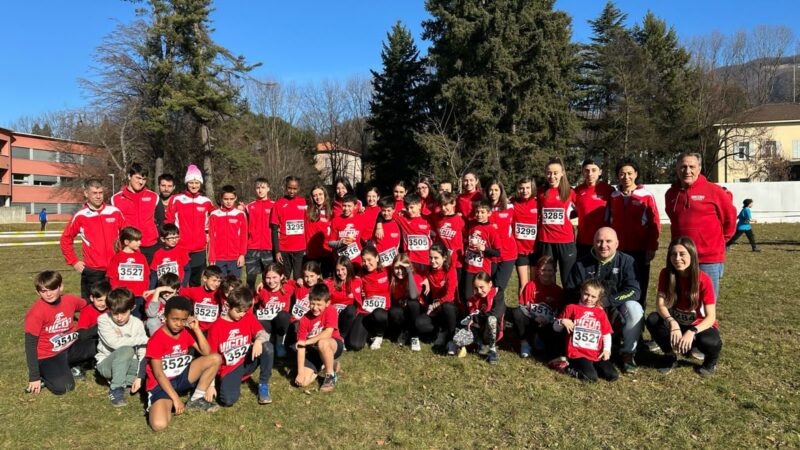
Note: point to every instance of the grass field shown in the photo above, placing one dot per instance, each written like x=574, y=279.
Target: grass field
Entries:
x=393, y=398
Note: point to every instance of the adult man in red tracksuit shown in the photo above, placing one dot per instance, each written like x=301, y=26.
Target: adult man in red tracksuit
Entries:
x=702, y=211
x=138, y=206
x=227, y=234
x=189, y=212
x=98, y=225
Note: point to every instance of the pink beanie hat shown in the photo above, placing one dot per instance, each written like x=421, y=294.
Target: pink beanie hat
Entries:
x=193, y=174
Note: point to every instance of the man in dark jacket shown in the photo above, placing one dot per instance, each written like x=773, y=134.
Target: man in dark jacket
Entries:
x=617, y=273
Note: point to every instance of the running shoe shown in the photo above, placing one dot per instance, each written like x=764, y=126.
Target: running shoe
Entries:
x=263, y=394
x=376, y=343
x=415, y=347
x=201, y=404
x=525, y=350
x=117, y=397
x=330, y=383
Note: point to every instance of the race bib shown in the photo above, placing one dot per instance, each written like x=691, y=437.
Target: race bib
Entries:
x=417, y=242
x=585, y=338
x=350, y=251
x=167, y=267
x=525, y=231
x=295, y=227
x=206, y=312
x=553, y=216
x=234, y=355
x=386, y=257
x=269, y=311
x=372, y=303
x=300, y=308
x=130, y=272
x=340, y=307
x=473, y=258
x=683, y=317
x=63, y=341
x=175, y=365
x=542, y=310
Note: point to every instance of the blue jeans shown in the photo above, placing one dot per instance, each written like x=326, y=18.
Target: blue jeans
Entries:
x=715, y=271
x=634, y=321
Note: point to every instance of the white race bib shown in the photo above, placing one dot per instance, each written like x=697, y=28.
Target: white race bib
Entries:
x=542, y=310
x=206, y=312
x=295, y=227
x=167, y=267
x=63, y=341
x=269, y=311
x=340, y=307
x=586, y=338
x=300, y=308
x=387, y=256
x=417, y=242
x=525, y=231
x=350, y=251
x=683, y=317
x=473, y=258
x=130, y=272
x=234, y=355
x=175, y=365
x=553, y=216
x=372, y=303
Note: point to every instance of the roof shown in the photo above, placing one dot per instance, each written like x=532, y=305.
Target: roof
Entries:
x=766, y=113
x=328, y=147
x=51, y=138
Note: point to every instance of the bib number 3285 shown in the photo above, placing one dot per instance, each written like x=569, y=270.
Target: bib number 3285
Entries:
x=552, y=216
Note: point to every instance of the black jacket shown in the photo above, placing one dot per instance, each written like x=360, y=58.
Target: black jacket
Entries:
x=617, y=275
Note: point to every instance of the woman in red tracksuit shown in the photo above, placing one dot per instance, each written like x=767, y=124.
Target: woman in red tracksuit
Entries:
x=526, y=220
x=556, y=204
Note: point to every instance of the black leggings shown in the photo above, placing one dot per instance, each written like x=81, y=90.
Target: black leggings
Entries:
x=641, y=266
x=409, y=318
x=588, y=370
x=564, y=254
x=528, y=328
x=750, y=237
x=54, y=371
x=293, y=264
x=365, y=324
x=501, y=273
x=346, y=318
x=277, y=326
x=197, y=263
x=707, y=341
x=446, y=318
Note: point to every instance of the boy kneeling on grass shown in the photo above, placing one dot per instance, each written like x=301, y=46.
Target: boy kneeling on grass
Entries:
x=319, y=343
x=120, y=352
x=244, y=346
x=171, y=371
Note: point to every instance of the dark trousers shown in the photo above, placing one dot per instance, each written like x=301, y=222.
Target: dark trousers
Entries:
x=590, y=370
x=277, y=326
x=750, y=237
x=641, y=267
x=55, y=371
x=255, y=262
x=89, y=277
x=707, y=341
x=44, y=225
x=364, y=325
x=228, y=267
x=293, y=264
x=501, y=273
x=528, y=328
x=446, y=318
x=564, y=254
x=583, y=250
x=230, y=386
x=346, y=318
x=197, y=263
x=150, y=251
x=404, y=318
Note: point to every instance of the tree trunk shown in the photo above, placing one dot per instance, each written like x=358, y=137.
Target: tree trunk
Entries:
x=159, y=167
x=208, y=169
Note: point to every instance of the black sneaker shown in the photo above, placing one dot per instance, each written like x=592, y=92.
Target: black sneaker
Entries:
x=202, y=404
x=704, y=371
x=668, y=363
x=77, y=373
x=117, y=397
x=330, y=382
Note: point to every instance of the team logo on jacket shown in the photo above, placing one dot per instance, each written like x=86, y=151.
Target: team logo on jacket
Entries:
x=200, y=208
x=588, y=321
x=177, y=350
x=698, y=197
x=110, y=219
x=446, y=232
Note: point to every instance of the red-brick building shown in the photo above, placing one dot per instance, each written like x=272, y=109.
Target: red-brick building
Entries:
x=39, y=172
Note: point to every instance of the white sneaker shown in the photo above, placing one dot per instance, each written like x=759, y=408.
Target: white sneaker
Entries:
x=484, y=350
x=441, y=339
x=525, y=350
x=376, y=343
x=415, y=344
x=452, y=348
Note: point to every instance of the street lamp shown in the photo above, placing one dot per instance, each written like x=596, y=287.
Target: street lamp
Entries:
x=113, y=183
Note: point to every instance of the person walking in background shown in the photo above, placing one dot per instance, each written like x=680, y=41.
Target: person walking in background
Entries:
x=745, y=218
x=43, y=218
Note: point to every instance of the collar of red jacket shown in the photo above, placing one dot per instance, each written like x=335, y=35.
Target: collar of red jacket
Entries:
x=128, y=192
x=189, y=194
x=701, y=181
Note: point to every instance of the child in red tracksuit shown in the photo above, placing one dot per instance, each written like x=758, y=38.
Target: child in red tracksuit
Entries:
x=227, y=234
x=259, y=240
x=129, y=268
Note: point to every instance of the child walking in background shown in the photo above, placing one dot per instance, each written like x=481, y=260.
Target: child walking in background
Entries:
x=745, y=218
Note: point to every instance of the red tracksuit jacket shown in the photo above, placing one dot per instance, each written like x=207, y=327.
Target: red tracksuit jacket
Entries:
x=259, y=235
x=189, y=212
x=635, y=220
x=98, y=230
x=704, y=213
x=227, y=234
x=139, y=209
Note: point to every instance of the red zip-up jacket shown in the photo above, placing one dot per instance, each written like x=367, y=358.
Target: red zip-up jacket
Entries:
x=99, y=230
x=259, y=235
x=591, y=201
x=704, y=213
x=635, y=219
x=139, y=211
x=227, y=234
x=465, y=201
x=189, y=212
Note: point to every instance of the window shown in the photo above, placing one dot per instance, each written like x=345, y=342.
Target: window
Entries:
x=769, y=149
x=742, y=151
x=20, y=152
x=22, y=178
x=27, y=207
x=52, y=208
x=44, y=155
x=45, y=180
x=70, y=158
x=796, y=149
x=70, y=208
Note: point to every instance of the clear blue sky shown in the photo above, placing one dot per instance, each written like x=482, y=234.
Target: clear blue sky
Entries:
x=49, y=45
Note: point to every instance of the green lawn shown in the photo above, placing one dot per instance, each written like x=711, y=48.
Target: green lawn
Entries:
x=392, y=397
